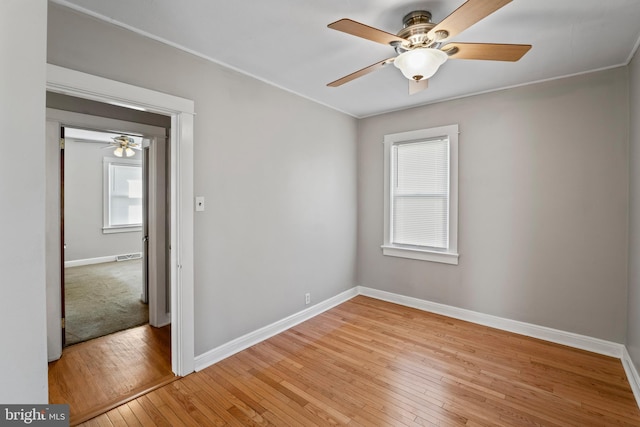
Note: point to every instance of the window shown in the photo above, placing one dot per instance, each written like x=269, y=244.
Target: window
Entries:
x=421, y=194
x=122, y=195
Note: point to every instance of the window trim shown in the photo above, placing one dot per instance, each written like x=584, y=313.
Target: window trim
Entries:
x=107, y=228
x=450, y=255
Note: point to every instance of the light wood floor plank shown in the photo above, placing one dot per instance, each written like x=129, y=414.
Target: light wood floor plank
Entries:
x=127, y=414
x=206, y=413
x=116, y=418
x=103, y=421
x=372, y=363
x=200, y=386
x=144, y=409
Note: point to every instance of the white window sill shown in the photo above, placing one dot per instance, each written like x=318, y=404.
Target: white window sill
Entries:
x=122, y=229
x=420, y=254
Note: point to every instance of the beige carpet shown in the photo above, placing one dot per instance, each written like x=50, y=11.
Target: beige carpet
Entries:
x=103, y=298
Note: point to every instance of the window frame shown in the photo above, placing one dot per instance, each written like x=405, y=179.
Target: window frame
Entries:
x=450, y=254
x=107, y=228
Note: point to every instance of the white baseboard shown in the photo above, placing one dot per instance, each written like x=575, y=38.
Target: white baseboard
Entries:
x=161, y=321
x=570, y=339
x=89, y=261
x=583, y=342
x=162, y=324
x=232, y=347
x=632, y=374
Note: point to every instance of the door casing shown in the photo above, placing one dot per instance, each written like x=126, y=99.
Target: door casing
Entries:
x=181, y=110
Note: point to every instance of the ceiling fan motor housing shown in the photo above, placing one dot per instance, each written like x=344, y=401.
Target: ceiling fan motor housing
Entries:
x=416, y=25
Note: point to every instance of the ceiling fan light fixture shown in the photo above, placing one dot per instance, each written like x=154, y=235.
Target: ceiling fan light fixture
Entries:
x=420, y=64
x=118, y=152
x=129, y=152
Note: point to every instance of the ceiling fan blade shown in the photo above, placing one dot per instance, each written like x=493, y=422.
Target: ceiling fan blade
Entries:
x=465, y=16
x=360, y=73
x=366, y=32
x=486, y=51
x=418, y=86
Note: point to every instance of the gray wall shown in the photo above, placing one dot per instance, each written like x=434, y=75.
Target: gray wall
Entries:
x=633, y=321
x=23, y=354
x=83, y=193
x=278, y=173
x=543, y=205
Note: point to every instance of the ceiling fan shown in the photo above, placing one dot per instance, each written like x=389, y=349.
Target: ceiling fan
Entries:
x=124, y=145
x=419, y=43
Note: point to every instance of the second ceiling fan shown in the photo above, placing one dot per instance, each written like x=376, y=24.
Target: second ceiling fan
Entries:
x=419, y=43
x=124, y=145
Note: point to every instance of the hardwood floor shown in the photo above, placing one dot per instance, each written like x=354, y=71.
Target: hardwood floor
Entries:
x=372, y=363
x=98, y=375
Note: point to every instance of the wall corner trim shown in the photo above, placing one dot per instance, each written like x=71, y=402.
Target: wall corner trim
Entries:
x=232, y=347
x=632, y=374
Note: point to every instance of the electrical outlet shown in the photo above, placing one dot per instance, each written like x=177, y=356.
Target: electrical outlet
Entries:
x=307, y=298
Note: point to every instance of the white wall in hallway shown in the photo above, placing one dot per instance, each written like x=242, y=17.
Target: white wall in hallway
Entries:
x=23, y=358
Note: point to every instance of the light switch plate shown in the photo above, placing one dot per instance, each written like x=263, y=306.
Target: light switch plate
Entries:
x=199, y=204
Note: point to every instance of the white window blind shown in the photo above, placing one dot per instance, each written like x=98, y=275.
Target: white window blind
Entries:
x=123, y=194
x=125, y=207
x=420, y=194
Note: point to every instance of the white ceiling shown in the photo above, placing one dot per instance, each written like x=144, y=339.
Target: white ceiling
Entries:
x=287, y=43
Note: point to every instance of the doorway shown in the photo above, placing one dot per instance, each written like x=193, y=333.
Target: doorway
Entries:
x=113, y=249
x=105, y=230
x=180, y=268
x=113, y=257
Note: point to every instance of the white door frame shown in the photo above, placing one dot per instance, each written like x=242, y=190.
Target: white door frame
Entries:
x=82, y=85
